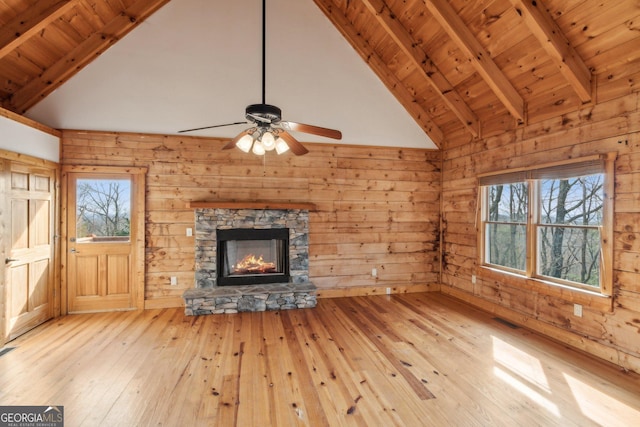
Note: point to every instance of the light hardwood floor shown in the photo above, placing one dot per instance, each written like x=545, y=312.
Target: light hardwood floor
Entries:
x=405, y=360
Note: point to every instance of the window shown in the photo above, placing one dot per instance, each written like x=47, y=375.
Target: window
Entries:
x=103, y=210
x=506, y=225
x=551, y=223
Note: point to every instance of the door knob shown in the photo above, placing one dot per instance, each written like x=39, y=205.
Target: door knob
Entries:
x=8, y=260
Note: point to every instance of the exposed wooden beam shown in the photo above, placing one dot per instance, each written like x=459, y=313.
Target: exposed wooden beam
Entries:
x=479, y=57
x=554, y=42
x=83, y=54
x=33, y=20
x=364, y=49
x=421, y=60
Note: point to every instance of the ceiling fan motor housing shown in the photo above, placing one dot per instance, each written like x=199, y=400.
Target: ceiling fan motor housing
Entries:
x=268, y=113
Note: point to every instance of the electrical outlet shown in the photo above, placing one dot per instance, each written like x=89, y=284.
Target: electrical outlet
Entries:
x=577, y=310
x=189, y=232
x=388, y=291
x=473, y=279
x=374, y=272
x=174, y=280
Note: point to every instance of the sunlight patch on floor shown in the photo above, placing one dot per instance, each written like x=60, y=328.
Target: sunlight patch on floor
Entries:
x=521, y=363
x=527, y=391
x=524, y=373
x=607, y=405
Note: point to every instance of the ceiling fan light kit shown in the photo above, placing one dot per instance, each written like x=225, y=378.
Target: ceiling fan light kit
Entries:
x=265, y=137
x=270, y=132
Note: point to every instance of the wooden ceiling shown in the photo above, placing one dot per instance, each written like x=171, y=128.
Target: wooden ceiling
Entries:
x=469, y=68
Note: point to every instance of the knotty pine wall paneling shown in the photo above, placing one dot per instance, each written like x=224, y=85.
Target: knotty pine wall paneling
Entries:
x=376, y=207
x=612, y=125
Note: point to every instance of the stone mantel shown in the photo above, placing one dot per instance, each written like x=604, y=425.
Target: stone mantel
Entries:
x=231, y=204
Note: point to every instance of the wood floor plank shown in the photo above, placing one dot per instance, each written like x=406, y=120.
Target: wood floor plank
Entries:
x=464, y=381
x=341, y=369
x=284, y=388
x=379, y=374
x=407, y=359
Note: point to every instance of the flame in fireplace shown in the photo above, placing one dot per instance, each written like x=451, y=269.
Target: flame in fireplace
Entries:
x=254, y=265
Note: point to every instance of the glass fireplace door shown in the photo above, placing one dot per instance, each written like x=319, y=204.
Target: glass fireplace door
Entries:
x=252, y=256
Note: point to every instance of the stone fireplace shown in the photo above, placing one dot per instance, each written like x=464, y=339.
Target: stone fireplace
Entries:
x=250, y=259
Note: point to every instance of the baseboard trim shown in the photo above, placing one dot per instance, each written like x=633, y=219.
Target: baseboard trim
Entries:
x=355, y=291
x=359, y=291
x=167, y=302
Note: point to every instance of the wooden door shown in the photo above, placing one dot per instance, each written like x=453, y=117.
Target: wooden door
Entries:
x=104, y=239
x=29, y=246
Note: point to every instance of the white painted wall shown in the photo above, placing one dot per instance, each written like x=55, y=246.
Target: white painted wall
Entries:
x=198, y=63
x=23, y=139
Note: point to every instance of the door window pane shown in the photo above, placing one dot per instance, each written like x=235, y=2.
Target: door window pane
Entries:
x=103, y=210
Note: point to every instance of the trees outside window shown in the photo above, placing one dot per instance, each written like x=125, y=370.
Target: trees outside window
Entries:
x=103, y=208
x=571, y=213
x=547, y=223
x=506, y=225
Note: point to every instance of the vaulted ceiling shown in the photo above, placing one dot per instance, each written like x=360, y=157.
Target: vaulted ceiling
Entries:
x=469, y=68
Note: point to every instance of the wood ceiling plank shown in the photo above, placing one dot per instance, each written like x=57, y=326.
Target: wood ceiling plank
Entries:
x=407, y=99
x=421, y=60
x=83, y=54
x=30, y=22
x=10, y=8
x=557, y=46
x=479, y=57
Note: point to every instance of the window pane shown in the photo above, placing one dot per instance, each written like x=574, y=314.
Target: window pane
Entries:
x=103, y=209
x=508, y=202
x=576, y=201
x=506, y=245
x=571, y=254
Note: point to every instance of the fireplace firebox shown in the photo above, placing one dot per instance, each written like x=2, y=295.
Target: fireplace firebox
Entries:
x=251, y=256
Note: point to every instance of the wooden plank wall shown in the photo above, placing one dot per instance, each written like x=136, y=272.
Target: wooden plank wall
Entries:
x=376, y=207
x=613, y=125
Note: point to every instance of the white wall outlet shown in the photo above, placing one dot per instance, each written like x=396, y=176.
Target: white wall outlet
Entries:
x=473, y=279
x=174, y=280
x=189, y=232
x=388, y=291
x=577, y=310
x=374, y=272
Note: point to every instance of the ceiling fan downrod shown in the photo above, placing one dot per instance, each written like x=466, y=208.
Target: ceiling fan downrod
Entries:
x=270, y=132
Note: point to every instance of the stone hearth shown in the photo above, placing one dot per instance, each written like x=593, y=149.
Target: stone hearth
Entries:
x=234, y=299
x=208, y=298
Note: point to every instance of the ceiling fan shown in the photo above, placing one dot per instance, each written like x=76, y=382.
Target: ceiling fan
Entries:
x=269, y=131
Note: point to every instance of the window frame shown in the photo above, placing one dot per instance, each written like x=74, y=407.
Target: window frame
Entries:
x=603, y=163
x=487, y=222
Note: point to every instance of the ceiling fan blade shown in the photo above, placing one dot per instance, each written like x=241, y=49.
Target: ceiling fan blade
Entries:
x=235, y=140
x=295, y=146
x=314, y=130
x=211, y=127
